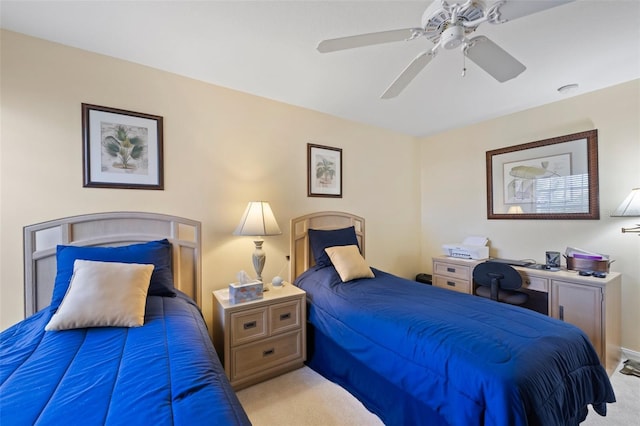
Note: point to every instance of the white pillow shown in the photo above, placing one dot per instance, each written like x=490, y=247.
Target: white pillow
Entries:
x=103, y=294
x=349, y=262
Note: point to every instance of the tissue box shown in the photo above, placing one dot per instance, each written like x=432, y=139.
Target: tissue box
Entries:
x=245, y=292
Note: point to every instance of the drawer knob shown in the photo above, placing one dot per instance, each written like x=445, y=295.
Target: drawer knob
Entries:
x=451, y=283
x=248, y=325
x=268, y=352
x=285, y=316
x=452, y=270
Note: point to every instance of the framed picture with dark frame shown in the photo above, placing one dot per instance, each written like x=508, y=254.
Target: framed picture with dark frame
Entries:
x=121, y=149
x=554, y=178
x=324, y=171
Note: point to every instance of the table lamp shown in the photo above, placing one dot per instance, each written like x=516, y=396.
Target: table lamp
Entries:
x=630, y=207
x=258, y=221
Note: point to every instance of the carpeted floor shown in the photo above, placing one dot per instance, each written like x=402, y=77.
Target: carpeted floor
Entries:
x=626, y=410
x=304, y=398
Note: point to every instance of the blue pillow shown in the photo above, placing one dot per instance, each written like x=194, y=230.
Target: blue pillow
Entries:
x=321, y=239
x=157, y=253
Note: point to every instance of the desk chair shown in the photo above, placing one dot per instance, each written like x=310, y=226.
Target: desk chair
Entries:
x=498, y=281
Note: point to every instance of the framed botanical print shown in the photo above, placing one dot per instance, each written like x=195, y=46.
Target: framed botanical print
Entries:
x=121, y=149
x=324, y=171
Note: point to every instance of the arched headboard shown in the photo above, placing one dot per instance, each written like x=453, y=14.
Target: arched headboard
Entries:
x=301, y=255
x=109, y=229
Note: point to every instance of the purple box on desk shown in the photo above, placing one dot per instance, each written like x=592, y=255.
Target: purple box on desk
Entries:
x=245, y=292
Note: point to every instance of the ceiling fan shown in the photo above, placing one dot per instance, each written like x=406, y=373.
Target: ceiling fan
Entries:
x=447, y=23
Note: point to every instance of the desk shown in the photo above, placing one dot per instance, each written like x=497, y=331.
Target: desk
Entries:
x=592, y=304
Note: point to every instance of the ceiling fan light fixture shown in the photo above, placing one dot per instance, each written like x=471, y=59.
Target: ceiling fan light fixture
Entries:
x=452, y=37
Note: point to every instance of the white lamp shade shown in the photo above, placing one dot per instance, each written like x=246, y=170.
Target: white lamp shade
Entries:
x=258, y=220
x=515, y=210
x=630, y=206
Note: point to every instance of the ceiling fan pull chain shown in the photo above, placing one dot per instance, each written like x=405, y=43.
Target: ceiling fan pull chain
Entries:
x=464, y=64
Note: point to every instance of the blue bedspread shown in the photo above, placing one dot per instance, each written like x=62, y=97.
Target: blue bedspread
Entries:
x=467, y=360
x=165, y=372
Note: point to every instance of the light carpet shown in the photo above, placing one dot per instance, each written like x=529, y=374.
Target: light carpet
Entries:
x=305, y=398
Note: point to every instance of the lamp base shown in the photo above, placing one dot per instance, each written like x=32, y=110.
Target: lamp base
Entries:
x=259, y=258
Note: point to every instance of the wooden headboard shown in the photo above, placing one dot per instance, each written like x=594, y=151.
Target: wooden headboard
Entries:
x=108, y=229
x=301, y=255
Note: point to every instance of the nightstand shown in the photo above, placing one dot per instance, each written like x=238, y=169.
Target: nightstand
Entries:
x=260, y=339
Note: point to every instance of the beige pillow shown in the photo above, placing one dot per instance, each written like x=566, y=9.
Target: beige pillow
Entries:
x=349, y=262
x=103, y=294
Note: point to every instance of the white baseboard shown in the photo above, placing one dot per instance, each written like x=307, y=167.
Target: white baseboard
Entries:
x=629, y=354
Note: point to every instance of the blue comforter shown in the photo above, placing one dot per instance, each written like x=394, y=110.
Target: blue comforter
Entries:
x=165, y=372
x=470, y=360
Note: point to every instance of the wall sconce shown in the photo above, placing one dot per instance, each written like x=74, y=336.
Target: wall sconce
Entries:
x=258, y=221
x=630, y=207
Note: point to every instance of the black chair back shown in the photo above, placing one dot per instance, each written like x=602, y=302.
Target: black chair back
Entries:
x=497, y=276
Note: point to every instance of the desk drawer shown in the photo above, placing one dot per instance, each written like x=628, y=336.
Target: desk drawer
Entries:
x=532, y=282
x=450, y=270
x=247, y=326
x=260, y=356
x=462, y=286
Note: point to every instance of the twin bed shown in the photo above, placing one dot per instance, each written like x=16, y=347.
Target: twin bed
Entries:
x=163, y=372
x=420, y=355
x=412, y=353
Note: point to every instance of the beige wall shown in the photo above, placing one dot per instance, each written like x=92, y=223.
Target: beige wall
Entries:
x=222, y=149
x=453, y=187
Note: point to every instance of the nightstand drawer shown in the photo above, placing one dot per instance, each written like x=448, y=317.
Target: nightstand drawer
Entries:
x=285, y=316
x=260, y=356
x=461, y=285
x=449, y=270
x=249, y=325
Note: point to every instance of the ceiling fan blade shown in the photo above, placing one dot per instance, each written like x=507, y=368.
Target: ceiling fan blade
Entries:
x=407, y=75
x=511, y=9
x=493, y=59
x=367, y=39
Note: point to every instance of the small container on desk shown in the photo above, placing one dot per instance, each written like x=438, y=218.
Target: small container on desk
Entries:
x=577, y=264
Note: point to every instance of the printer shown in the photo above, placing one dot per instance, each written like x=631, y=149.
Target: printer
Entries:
x=470, y=248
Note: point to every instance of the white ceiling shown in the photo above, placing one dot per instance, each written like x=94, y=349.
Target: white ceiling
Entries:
x=268, y=48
